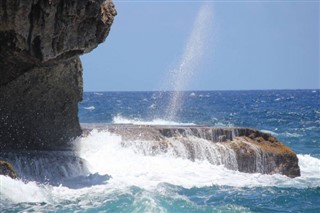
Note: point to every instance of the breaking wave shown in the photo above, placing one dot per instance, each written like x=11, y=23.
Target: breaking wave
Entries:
x=116, y=165
x=123, y=120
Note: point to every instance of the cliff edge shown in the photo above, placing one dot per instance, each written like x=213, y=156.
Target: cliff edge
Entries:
x=40, y=69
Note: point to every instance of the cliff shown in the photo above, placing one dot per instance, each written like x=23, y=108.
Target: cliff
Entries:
x=40, y=69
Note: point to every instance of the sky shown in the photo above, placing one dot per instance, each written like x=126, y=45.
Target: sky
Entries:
x=246, y=45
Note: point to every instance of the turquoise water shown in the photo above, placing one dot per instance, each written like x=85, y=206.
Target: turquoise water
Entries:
x=168, y=183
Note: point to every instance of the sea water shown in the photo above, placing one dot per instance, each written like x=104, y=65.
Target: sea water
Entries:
x=124, y=179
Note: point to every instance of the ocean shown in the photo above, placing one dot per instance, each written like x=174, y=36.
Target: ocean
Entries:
x=125, y=179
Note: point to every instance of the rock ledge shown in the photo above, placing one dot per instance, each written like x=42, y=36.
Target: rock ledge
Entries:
x=243, y=149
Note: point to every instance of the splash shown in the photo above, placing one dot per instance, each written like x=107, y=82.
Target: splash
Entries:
x=132, y=166
x=194, y=51
x=132, y=163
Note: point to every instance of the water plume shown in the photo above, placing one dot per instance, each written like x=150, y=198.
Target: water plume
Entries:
x=191, y=57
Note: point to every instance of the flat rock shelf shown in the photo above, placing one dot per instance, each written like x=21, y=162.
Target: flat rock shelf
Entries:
x=242, y=149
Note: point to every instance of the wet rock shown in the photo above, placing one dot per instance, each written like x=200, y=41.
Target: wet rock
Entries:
x=7, y=169
x=266, y=157
x=243, y=149
x=40, y=70
x=39, y=108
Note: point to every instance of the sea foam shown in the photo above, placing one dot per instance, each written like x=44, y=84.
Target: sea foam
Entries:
x=123, y=120
x=106, y=154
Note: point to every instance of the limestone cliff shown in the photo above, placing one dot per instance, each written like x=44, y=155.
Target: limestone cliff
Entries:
x=40, y=69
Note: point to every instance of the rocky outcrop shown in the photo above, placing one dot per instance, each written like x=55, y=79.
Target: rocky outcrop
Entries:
x=7, y=169
x=243, y=149
x=263, y=153
x=40, y=69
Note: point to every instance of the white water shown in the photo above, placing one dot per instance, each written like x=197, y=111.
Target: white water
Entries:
x=106, y=154
x=195, y=48
x=89, y=108
x=63, y=165
x=127, y=166
x=123, y=120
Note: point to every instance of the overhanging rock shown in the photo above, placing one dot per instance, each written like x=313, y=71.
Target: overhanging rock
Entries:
x=40, y=69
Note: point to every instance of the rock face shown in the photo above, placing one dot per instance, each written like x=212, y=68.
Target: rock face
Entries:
x=40, y=69
x=7, y=170
x=243, y=149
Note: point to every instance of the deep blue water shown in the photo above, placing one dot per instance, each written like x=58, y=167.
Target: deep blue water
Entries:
x=293, y=116
x=170, y=184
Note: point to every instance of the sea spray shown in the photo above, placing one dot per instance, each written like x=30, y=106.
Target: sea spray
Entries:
x=132, y=163
x=194, y=51
x=33, y=165
x=143, y=182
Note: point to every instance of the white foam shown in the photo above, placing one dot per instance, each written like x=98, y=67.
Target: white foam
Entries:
x=123, y=120
x=269, y=132
x=291, y=135
x=17, y=191
x=106, y=154
x=309, y=165
x=192, y=94
x=98, y=93
x=223, y=124
x=89, y=108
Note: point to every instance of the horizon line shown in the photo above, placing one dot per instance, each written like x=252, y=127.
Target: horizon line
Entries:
x=218, y=90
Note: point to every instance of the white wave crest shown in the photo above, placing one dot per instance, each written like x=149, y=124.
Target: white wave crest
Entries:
x=123, y=120
x=270, y=132
x=89, y=108
x=18, y=191
x=106, y=154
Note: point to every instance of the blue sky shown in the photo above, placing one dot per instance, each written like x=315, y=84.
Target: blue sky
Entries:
x=249, y=45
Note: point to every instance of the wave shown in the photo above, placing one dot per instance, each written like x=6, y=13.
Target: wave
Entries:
x=270, y=132
x=291, y=135
x=98, y=93
x=89, y=108
x=123, y=120
x=13, y=189
x=285, y=134
x=106, y=154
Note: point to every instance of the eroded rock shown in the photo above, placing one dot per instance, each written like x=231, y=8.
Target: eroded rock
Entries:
x=243, y=149
x=40, y=70
x=7, y=169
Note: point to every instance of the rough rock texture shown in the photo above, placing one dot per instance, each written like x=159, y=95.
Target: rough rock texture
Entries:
x=7, y=169
x=243, y=149
x=40, y=110
x=40, y=70
x=263, y=153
